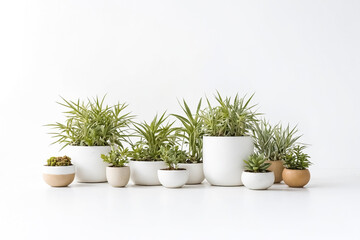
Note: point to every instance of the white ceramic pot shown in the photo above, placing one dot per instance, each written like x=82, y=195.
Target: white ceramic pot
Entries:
x=196, y=172
x=145, y=172
x=118, y=176
x=173, y=178
x=90, y=167
x=223, y=159
x=59, y=176
x=258, y=181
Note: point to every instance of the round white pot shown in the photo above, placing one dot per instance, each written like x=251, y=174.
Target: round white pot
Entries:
x=223, y=159
x=118, y=176
x=89, y=164
x=173, y=178
x=145, y=172
x=196, y=172
x=258, y=181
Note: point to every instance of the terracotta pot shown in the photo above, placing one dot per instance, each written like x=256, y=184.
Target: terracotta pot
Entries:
x=277, y=167
x=59, y=176
x=118, y=176
x=296, y=178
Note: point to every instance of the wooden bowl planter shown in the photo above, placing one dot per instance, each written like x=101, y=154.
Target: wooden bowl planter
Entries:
x=59, y=176
x=171, y=178
x=277, y=168
x=118, y=176
x=296, y=178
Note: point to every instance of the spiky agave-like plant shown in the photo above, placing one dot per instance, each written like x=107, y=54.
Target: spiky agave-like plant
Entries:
x=256, y=163
x=191, y=131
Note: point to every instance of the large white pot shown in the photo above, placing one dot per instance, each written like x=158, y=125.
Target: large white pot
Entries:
x=145, y=172
x=173, y=178
x=196, y=172
x=223, y=159
x=90, y=167
x=258, y=181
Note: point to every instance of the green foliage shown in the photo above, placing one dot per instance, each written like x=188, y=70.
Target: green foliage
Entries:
x=191, y=131
x=92, y=124
x=296, y=159
x=256, y=163
x=117, y=157
x=172, y=156
x=152, y=137
x=59, y=161
x=230, y=118
x=273, y=141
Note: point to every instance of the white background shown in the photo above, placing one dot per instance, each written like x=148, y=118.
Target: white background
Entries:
x=301, y=58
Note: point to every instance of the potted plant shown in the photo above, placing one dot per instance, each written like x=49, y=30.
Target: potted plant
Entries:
x=89, y=130
x=227, y=141
x=296, y=173
x=191, y=131
x=173, y=176
x=145, y=156
x=59, y=171
x=117, y=174
x=274, y=142
x=256, y=176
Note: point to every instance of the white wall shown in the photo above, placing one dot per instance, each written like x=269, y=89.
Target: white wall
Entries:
x=300, y=57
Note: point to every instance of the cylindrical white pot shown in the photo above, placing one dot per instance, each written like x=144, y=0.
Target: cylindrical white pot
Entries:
x=145, y=172
x=173, y=178
x=223, y=159
x=90, y=167
x=196, y=172
x=258, y=181
x=118, y=176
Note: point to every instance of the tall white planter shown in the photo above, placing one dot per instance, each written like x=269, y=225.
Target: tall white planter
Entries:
x=89, y=164
x=223, y=159
x=146, y=172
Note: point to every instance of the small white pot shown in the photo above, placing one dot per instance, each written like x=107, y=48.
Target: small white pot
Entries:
x=196, y=172
x=59, y=176
x=258, y=181
x=118, y=176
x=173, y=178
x=145, y=172
x=90, y=167
x=223, y=159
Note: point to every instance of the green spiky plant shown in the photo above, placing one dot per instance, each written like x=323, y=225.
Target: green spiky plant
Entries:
x=274, y=141
x=256, y=163
x=297, y=159
x=92, y=124
x=152, y=137
x=229, y=118
x=117, y=157
x=59, y=161
x=172, y=155
x=191, y=131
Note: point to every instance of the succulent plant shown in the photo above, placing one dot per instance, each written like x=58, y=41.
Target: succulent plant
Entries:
x=256, y=163
x=191, y=131
x=117, y=157
x=230, y=118
x=59, y=161
x=152, y=137
x=274, y=141
x=172, y=156
x=92, y=124
x=297, y=159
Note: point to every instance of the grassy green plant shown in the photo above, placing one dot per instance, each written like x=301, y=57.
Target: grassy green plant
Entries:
x=256, y=163
x=152, y=137
x=117, y=157
x=296, y=159
x=274, y=141
x=191, y=131
x=172, y=156
x=92, y=124
x=59, y=161
x=230, y=118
